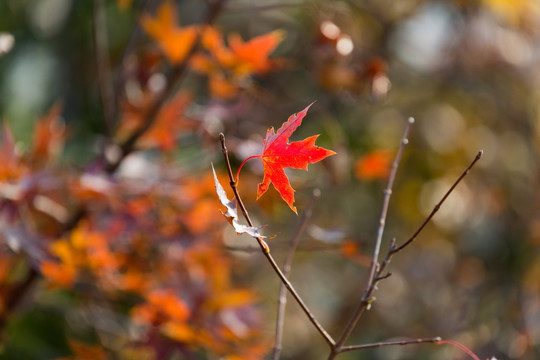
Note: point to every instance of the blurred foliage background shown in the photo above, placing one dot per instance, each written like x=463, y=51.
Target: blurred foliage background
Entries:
x=467, y=71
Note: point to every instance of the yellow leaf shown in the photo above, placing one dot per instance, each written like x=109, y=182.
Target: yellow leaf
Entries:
x=514, y=11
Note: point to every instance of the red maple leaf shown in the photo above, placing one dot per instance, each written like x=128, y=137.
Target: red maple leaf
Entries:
x=278, y=154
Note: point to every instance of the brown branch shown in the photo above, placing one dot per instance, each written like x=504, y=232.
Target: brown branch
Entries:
x=374, y=270
x=266, y=251
x=282, y=300
x=393, y=249
x=391, y=343
x=438, y=206
x=103, y=65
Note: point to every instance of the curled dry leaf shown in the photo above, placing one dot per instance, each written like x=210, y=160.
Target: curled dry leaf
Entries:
x=231, y=214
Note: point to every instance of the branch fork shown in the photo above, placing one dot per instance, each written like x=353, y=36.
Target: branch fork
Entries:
x=377, y=269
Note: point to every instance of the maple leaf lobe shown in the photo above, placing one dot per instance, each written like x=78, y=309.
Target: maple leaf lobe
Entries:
x=278, y=154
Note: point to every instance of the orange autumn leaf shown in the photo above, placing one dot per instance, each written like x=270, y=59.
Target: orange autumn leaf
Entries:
x=175, y=42
x=201, y=216
x=231, y=299
x=10, y=165
x=375, y=165
x=133, y=281
x=212, y=40
x=179, y=331
x=221, y=88
x=59, y=274
x=6, y=263
x=202, y=64
x=49, y=136
x=253, y=55
x=170, y=304
x=349, y=248
x=82, y=351
x=278, y=154
x=82, y=250
x=169, y=122
x=228, y=67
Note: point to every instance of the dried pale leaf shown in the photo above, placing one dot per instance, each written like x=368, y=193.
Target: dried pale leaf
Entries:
x=231, y=214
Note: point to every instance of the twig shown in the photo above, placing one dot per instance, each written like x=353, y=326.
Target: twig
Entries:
x=438, y=206
x=374, y=267
x=393, y=249
x=104, y=75
x=282, y=300
x=391, y=343
x=177, y=74
x=266, y=251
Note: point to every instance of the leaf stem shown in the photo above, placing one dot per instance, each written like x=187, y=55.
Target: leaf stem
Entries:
x=434, y=340
x=461, y=346
x=438, y=206
x=266, y=251
x=242, y=164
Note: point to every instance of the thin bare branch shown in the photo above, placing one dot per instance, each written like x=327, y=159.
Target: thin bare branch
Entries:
x=392, y=250
x=104, y=74
x=282, y=300
x=266, y=251
x=374, y=270
x=391, y=343
x=438, y=206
